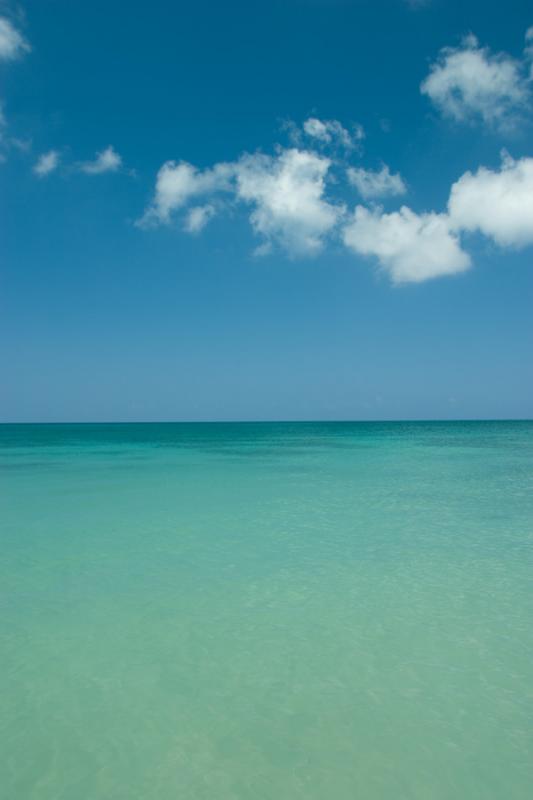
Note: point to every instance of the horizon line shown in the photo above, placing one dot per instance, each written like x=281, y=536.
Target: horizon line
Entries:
x=263, y=421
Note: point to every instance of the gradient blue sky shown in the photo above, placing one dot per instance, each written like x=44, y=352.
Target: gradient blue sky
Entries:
x=282, y=306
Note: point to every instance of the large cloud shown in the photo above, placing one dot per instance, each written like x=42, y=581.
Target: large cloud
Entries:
x=411, y=247
x=469, y=82
x=12, y=43
x=497, y=203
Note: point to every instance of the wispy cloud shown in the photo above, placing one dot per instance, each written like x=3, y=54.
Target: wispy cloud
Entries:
x=381, y=183
x=13, y=45
x=528, y=50
x=47, y=163
x=331, y=131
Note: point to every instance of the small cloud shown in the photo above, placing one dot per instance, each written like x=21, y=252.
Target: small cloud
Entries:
x=13, y=45
x=469, y=83
x=331, y=131
x=46, y=163
x=107, y=160
x=376, y=184
x=178, y=183
x=198, y=217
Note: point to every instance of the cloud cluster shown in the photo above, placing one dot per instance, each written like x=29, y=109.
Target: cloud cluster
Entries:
x=13, y=45
x=290, y=207
x=415, y=247
x=469, y=83
x=107, y=160
x=285, y=193
x=289, y=195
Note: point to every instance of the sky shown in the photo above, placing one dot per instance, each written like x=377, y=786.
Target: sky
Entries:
x=300, y=209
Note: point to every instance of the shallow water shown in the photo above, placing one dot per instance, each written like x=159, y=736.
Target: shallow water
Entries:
x=267, y=611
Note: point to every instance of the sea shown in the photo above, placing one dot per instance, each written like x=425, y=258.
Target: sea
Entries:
x=266, y=611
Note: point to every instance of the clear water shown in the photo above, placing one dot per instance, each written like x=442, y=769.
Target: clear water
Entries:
x=267, y=612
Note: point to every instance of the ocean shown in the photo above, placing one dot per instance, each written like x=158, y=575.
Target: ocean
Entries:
x=274, y=611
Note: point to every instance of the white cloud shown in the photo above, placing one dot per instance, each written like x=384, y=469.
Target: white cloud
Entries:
x=499, y=204
x=371, y=184
x=12, y=42
x=107, y=160
x=46, y=163
x=469, y=82
x=198, y=217
x=287, y=192
x=290, y=207
x=411, y=247
x=176, y=184
x=332, y=132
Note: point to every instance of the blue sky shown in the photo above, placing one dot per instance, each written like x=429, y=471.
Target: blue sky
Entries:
x=287, y=210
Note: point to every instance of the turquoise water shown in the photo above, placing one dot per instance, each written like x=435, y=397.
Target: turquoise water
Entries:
x=267, y=612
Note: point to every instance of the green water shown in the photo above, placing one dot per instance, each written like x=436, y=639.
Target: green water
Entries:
x=267, y=612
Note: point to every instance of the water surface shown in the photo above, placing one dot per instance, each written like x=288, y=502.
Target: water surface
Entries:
x=267, y=611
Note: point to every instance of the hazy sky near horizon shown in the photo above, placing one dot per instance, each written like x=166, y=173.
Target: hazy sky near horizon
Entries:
x=287, y=210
